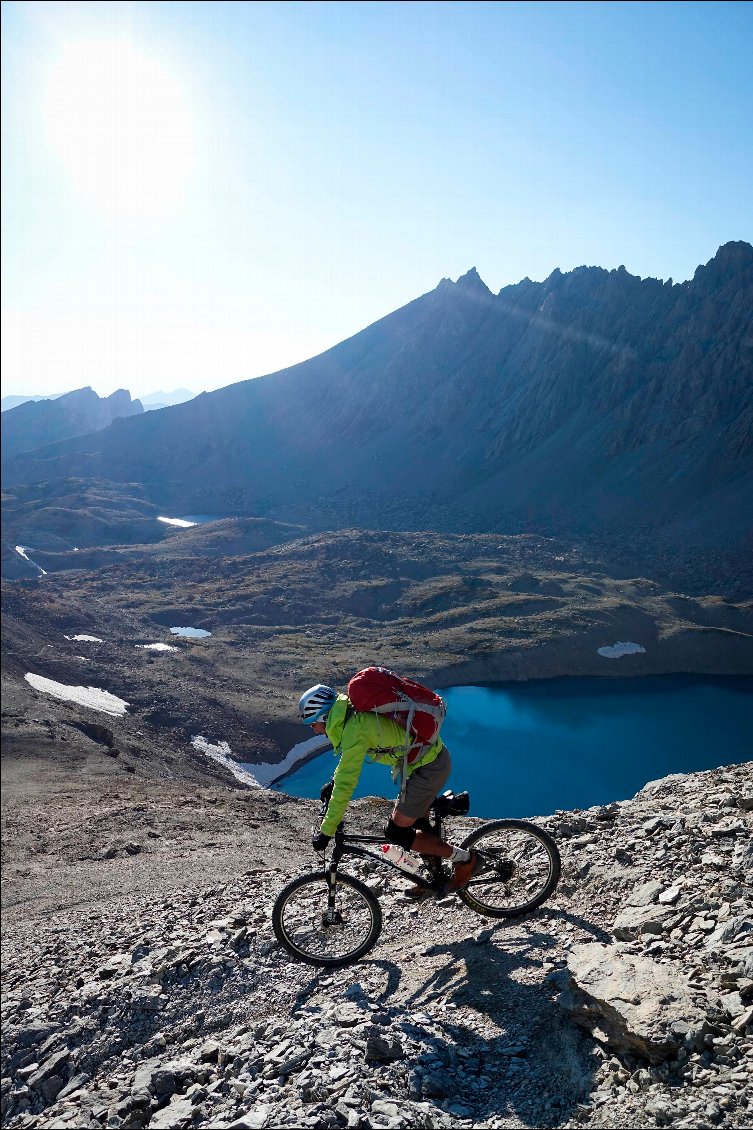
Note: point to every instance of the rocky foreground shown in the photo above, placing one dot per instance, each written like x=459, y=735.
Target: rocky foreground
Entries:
x=627, y=1001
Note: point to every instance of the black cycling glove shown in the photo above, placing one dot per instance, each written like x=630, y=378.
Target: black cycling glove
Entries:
x=319, y=841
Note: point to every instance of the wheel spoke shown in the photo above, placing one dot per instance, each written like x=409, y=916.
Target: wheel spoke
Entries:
x=522, y=868
x=306, y=928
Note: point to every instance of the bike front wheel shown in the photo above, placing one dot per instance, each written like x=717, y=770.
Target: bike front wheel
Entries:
x=520, y=868
x=311, y=931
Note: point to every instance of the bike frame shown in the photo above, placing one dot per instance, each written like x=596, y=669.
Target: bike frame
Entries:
x=346, y=844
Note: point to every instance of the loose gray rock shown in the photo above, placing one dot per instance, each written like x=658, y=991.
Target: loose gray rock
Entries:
x=74, y=1084
x=382, y=1050
x=449, y=1023
x=641, y=919
x=49, y=1068
x=385, y=1109
x=645, y=894
x=737, y=929
x=635, y=1002
x=177, y=1115
x=252, y=1120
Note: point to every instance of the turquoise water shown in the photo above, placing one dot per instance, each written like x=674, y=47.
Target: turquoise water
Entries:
x=526, y=749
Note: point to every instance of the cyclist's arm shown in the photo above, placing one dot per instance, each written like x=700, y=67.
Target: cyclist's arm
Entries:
x=354, y=749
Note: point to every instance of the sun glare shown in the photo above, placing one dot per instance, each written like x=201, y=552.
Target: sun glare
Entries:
x=120, y=124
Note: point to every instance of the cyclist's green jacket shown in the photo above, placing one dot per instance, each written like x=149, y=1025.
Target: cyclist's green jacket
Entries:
x=354, y=739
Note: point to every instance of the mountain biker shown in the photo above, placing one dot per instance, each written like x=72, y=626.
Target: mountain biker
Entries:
x=356, y=736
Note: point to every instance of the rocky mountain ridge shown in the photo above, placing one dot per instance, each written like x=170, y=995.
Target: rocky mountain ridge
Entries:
x=36, y=423
x=549, y=406
x=13, y=401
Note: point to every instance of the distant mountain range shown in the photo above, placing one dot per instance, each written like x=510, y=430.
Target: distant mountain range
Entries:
x=150, y=402
x=38, y=422
x=156, y=400
x=594, y=401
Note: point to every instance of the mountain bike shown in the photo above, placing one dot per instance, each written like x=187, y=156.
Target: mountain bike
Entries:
x=331, y=918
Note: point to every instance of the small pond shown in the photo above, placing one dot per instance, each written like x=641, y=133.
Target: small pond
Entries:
x=192, y=633
x=526, y=749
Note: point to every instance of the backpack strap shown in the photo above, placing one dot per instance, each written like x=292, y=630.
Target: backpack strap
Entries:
x=437, y=712
x=406, y=751
x=404, y=704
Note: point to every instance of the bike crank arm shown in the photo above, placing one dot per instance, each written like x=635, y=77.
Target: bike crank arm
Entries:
x=491, y=872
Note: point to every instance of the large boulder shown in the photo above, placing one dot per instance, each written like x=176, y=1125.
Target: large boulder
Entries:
x=635, y=1004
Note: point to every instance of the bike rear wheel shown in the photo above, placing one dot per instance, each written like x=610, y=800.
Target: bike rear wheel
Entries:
x=303, y=927
x=521, y=868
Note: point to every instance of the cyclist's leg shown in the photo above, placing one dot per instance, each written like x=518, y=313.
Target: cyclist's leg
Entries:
x=421, y=790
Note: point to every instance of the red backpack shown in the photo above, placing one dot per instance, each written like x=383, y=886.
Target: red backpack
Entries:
x=414, y=707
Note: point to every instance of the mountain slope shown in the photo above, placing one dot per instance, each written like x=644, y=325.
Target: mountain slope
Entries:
x=560, y=405
x=144, y=984
x=9, y=402
x=38, y=422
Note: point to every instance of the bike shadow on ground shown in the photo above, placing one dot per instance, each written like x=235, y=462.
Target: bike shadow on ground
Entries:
x=392, y=974
x=499, y=1009
x=597, y=932
x=484, y=1011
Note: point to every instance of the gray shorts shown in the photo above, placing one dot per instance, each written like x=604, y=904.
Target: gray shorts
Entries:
x=424, y=785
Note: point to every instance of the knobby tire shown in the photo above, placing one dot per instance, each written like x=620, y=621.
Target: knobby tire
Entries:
x=298, y=926
x=537, y=864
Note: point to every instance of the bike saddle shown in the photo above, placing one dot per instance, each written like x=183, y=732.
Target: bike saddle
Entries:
x=449, y=803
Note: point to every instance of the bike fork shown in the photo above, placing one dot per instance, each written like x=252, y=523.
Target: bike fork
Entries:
x=330, y=914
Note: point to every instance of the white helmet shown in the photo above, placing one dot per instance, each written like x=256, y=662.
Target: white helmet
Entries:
x=316, y=703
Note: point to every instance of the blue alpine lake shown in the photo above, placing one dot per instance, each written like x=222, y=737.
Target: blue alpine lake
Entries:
x=526, y=749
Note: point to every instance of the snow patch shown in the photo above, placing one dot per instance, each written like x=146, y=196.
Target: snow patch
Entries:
x=182, y=522
x=260, y=775
x=157, y=647
x=23, y=550
x=92, y=697
x=85, y=639
x=266, y=774
x=614, y=651
x=221, y=752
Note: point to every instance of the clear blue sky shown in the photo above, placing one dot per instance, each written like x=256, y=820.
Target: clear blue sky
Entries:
x=198, y=193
